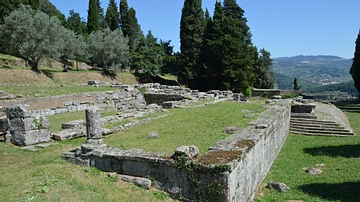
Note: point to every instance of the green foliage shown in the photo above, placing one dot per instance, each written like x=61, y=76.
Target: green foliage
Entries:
x=227, y=58
x=93, y=18
x=191, y=35
x=112, y=18
x=47, y=7
x=160, y=195
x=263, y=70
x=108, y=49
x=75, y=23
x=74, y=48
x=265, y=95
x=32, y=35
x=248, y=92
x=355, y=67
x=296, y=86
x=129, y=25
x=148, y=57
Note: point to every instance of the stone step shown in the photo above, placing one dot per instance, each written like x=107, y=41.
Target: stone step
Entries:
x=320, y=132
x=314, y=122
x=304, y=115
x=318, y=128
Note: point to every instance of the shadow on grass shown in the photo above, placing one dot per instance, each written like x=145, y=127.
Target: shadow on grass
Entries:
x=111, y=75
x=346, y=151
x=347, y=191
x=5, y=67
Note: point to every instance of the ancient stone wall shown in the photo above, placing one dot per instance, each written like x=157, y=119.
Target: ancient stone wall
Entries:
x=272, y=92
x=232, y=169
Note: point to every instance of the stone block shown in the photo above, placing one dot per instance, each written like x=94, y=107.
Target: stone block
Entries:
x=68, y=134
x=4, y=124
x=24, y=138
x=22, y=124
x=141, y=182
x=168, y=104
x=18, y=111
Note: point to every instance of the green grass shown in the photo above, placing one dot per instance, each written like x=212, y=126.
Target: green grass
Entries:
x=340, y=180
x=201, y=127
x=44, y=176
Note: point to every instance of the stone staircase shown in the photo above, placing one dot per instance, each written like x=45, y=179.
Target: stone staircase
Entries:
x=308, y=124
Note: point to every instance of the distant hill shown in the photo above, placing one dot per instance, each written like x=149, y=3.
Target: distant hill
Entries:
x=311, y=70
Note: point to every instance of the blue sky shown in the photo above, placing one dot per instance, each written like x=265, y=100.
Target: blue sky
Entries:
x=285, y=28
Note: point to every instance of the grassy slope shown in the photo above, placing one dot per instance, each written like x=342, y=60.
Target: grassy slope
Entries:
x=13, y=71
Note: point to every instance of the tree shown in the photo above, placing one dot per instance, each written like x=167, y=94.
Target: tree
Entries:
x=170, y=64
x=101, y=17
x=129, y=25
x=73, y=48
x=108, y=49
x=35, y=4
x=93, y=17
x=112, y=16
x=263, y=70
x=355, y=67
x=6, y=6
x=228, y=56
x=296, y=86
x=191, y=35
x=47, y=7
x=74, y=22
x=148, y=58
x=32, y=35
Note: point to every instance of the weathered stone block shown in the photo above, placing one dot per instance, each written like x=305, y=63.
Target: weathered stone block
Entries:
x=18, y=111
x=22, y=124
x=68, y=134
x=4, y=124
x=24, y=138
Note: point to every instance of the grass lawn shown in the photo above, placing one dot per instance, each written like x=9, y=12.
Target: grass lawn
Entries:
x=340, y=180
x=43, y=176
x=201, y=127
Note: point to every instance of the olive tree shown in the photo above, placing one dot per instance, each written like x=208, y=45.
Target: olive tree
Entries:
x=108, y=49
x=32, y=35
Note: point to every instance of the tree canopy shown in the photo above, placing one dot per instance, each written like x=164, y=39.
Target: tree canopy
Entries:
x=265, y=77
x=112, y=18
x=149, y=56
x=191, y=35
x=108, y=49
x=355, y=67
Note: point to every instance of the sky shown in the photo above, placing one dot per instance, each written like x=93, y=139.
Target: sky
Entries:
x=285, y=28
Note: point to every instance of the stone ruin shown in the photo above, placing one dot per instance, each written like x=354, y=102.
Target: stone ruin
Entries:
x=25, y=129
x=232, y=169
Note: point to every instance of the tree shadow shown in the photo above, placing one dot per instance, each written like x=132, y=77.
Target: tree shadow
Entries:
x=5, y=67
x=346, y=191
x=345, y=151
x=47, y=73
x=110, y=74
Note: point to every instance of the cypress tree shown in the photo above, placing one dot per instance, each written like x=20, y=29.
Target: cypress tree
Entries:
x=191, y=35
x=355, y=67
x=129, y=25
x=263, y=70
x=231, y=56
x=101, y=17
x=112, y=16
x=93, y=19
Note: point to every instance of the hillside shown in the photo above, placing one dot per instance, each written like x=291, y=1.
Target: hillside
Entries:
x=14, y=71
x=314, y=70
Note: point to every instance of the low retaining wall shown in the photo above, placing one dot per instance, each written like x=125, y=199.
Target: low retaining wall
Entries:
x=232, y=169
x=272, y=92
